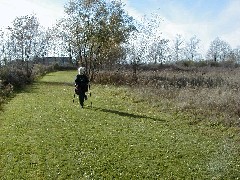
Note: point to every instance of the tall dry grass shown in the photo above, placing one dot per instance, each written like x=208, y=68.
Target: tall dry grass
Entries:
x=209, y=94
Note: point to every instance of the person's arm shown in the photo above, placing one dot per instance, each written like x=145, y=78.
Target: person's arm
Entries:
x=76, y=81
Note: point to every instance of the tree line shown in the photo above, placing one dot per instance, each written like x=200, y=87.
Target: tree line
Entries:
x=100, y=34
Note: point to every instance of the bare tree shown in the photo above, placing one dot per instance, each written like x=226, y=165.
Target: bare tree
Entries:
x=191, y=49
x=178, y=47
x=218, y=50
x=136, y=52
x=146, y=44
x=23, y=33
x=234, y=56
x=159, y=51
x=237, y=54
x=2, y=47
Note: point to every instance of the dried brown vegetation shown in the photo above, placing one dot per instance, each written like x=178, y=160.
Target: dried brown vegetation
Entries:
x=16, y=77
x=209, y=94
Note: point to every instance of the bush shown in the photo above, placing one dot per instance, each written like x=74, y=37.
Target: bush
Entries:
x=41, y=70
x=16, y=77
x=5, y=91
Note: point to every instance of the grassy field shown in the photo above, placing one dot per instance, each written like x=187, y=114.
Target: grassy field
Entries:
x=44, y=135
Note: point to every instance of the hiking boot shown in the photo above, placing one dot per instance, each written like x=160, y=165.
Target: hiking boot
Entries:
x=81, y=105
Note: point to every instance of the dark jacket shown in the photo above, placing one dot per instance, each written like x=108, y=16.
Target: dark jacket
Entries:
x=81, y=82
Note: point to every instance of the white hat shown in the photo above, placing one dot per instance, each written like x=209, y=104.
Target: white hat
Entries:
x=81, y=70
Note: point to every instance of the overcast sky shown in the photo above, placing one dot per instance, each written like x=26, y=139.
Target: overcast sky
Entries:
x=207, y=19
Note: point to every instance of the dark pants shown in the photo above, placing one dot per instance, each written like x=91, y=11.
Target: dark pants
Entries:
x=81, y=98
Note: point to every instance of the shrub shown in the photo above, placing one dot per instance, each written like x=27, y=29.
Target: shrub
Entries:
x=41, y=70
x=16, y=77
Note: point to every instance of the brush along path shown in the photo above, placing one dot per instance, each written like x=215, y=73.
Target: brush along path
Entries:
x=43, y=135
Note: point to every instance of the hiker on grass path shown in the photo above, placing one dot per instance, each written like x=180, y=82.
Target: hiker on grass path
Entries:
x=81, y=85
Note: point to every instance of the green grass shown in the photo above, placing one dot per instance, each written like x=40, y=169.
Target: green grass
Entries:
x=44, y=135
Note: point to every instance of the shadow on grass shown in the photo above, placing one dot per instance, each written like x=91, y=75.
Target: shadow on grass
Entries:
x=126, y=114
x=56, y=83
x=29, y=88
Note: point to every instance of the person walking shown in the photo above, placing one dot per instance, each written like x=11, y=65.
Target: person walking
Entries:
x=81, y=85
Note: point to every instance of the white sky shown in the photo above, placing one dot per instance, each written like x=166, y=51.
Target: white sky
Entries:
x=47, y=11
x=207, y=19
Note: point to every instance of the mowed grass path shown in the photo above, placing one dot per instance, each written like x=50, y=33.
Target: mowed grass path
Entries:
x=44, y=135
